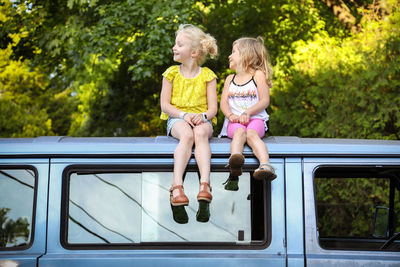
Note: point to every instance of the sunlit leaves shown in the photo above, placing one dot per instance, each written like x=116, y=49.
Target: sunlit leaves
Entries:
x=345, y=88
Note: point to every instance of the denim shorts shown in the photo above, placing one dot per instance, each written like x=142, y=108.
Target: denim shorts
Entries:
x=171, y=121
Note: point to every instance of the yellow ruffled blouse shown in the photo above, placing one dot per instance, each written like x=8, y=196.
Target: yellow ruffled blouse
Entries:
x=189, y=95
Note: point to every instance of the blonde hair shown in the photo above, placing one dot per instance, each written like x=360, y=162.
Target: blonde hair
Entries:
x=254, y=56
x=203, y=42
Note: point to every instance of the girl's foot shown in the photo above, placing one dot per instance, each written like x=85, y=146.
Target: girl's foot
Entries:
x=179, y=199
x=236, y=162
x=204, y=194
x=265, y=172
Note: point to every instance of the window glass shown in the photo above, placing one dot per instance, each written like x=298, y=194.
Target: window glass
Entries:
x=347, y=200
x=134, y=208
x=17, y=188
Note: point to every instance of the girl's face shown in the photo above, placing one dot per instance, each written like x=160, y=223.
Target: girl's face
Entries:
x=182, y=48
x=234, y=58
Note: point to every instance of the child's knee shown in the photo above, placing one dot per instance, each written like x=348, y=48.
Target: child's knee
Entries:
x=239, y=133
x=252, y=135
x=187, y=137
x=201, y=132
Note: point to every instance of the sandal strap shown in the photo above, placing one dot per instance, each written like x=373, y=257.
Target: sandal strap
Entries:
x=264, y=166
x=176, y=187
x=206, y=184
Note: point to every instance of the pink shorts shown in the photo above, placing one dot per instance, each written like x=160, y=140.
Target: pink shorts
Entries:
x=255, y=124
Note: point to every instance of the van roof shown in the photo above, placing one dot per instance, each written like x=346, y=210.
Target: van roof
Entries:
x=62, y=146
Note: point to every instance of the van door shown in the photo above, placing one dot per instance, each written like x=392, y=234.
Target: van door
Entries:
x=116, y=212
x=352, y=211
x=23, y=208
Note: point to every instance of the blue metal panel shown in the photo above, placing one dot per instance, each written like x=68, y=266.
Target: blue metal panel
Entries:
x=29, y=256
x=161, y=145
x=294, y=211
x=163, y=260
x=273, y=255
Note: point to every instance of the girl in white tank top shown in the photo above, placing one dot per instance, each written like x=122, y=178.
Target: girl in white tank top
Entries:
x=243, y=102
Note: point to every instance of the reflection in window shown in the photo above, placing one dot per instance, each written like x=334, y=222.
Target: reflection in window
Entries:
x=16, y=207
x=134, y=208
x=346, y=202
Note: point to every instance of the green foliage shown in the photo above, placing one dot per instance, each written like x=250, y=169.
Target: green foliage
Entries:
x=29, y=107
x=342, y=88
x=100, y=64
x=22, y=99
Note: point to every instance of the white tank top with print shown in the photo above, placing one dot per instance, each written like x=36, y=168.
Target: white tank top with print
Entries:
x=242, y=97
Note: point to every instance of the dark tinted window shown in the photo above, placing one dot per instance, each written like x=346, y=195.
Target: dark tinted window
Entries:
x=17, y=188
x=357, y=208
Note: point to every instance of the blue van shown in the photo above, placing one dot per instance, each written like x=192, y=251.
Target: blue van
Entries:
x=104, y=202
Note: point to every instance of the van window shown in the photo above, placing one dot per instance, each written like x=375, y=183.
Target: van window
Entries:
x=358, y=207
x=132, y=208
x=17, y=190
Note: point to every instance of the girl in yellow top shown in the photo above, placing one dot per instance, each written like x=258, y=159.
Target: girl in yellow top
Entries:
x=189, y=103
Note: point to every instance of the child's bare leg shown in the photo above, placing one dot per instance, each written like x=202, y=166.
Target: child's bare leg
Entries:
x=236, y=161
x=265, y=171
x=238, y=141
x=202, y=151
x=182, y=131
x=258, y=146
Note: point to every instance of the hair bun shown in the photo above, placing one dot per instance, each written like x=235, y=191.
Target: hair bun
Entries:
x=209, y=44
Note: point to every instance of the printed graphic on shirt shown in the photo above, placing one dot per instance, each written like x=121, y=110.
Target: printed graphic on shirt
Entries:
x=243, y=98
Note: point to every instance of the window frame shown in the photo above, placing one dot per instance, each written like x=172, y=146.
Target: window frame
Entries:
x=139, y=168
x=34, y=203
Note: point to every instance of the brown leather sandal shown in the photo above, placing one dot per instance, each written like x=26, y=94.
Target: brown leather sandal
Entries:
x=236, y=162
x=204, y=194
x=265, y=172
x=179, y=200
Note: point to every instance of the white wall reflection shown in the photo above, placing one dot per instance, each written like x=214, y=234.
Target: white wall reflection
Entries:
x=105, y=208
x=230, y=211
x=135, y=207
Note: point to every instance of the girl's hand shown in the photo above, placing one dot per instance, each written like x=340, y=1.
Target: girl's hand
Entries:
x=188, y=118
x=197, y=119
x=244, y=118
x=233, y=118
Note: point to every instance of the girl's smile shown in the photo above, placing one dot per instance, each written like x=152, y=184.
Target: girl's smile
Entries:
x=234, y=58
x=182, y=48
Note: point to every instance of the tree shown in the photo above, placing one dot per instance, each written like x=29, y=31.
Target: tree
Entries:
x=101, y=61
x=22, y=99
x=332, y=92
x=29, y=107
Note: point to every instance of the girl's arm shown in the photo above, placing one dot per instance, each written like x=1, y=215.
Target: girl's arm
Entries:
x=224, y=105
x=212, y=99
x=212, y=104
x=165, y=99
x=263, y=94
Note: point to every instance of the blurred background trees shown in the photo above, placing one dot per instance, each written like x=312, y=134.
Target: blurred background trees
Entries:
x=93, y=68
